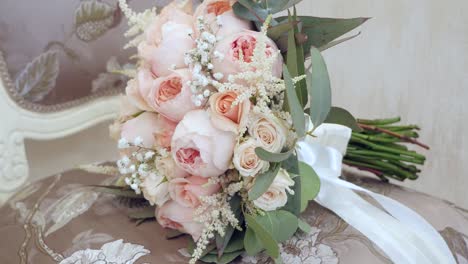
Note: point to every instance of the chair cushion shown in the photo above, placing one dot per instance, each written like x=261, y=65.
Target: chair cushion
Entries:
x=61, y=219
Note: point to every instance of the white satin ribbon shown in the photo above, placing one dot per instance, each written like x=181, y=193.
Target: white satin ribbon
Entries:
x=401, y=233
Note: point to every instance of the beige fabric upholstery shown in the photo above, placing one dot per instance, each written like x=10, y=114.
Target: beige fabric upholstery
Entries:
x=71, y=217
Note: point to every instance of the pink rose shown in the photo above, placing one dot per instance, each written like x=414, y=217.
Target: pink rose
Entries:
x=225, y=115
x=186, y=191
x=200, y=148
x=154, y=129
x=243, y=42
x=220, y=11
x=127, y=108
x=175, y=216
x=171, y=96
x=167, y=40
x=137, y=89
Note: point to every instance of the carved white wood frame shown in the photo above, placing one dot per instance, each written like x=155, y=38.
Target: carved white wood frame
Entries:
x=17, y=124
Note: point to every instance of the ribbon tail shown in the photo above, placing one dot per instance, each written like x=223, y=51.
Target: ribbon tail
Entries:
x=402, y=234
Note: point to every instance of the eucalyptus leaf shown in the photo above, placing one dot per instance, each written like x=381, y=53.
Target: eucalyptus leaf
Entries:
x=301, y=86
x=341, y=116
x=224, y=259
x=338, y=41
x=93, y=19
x=236, y=243
x=321, y=31
x=223, y=242
x=310, y=184
x=318, y=85
x=252, y=243
x=250, y=10
x=39, y=77
x=144, y=213
x=273, y=157
x=275, y=32
x=259, y=10
x=294, y=200
x=263, y=182
x=173, y=234
x=263, y=235
x=281, y=224
x=304, y=226
x=295, y=61
x=291, y=165
x=296, y=110
x=117, y=191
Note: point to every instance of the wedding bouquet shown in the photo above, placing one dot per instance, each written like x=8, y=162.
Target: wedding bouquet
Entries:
x=227, y=131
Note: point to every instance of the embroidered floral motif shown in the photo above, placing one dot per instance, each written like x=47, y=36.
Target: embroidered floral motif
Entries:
x=113, y=252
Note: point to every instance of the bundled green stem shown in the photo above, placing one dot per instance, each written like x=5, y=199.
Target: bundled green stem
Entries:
x=380, y=149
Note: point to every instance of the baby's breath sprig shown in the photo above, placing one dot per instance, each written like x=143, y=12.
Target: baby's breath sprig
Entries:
x=199, y=60
x=138, y=165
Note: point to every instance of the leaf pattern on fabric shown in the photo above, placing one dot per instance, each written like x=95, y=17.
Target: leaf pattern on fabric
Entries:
x=85, y=240
x=93, y=19
x=38, y=78
x=112, y=252
x=62, y=211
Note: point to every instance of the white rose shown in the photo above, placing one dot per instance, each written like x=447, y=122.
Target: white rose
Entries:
x=155, y=189
x=269, y=131
x=276, y=196
x=246, y=161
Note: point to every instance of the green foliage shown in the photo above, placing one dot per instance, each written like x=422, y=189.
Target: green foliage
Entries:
x=117, y=191
x=267, y=230
x=295, y=61
x=224, y=259
x=258, y=11
x=294, y=201
x=223, y=244
x=262, y=237
x=272, y=157
x=145, y=213
x=321, y=31
x=291, y=165
x=305, y=227
x=275, y=32
x=295, y=108
x=341, y=116
x=318, y=86
x=263, y=182
x=310, y=184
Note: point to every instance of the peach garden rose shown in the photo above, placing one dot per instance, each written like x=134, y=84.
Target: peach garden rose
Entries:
x=171, y=96
x=225, y=115
x=218, y=14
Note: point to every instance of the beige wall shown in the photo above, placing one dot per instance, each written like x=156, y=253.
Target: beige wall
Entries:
x=410, y=60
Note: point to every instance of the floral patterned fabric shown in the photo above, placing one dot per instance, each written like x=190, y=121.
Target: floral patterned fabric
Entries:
x=62, y=220
x=61, y=51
